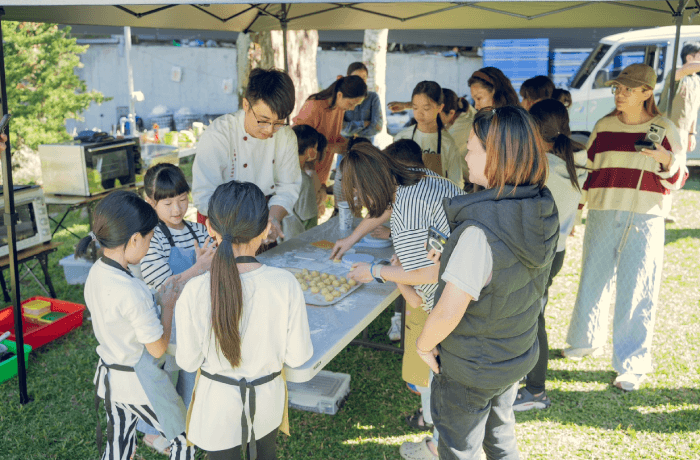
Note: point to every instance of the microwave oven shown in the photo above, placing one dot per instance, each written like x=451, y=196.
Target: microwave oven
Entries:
x=33, y=221
x=89, y=168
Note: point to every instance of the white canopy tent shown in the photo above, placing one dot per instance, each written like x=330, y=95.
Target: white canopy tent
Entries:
x=228, y=15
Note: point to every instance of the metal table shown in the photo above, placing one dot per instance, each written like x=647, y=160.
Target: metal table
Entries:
x=333, y=327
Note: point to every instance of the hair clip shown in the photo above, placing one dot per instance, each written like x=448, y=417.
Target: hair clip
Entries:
x=92, y=236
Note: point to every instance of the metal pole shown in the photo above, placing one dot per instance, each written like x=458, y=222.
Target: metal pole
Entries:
x=130, y=79
x=283, y=23
x=10, y=222
x=679, y=22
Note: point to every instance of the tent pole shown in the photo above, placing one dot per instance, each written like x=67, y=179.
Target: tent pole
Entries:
x=679, y=21
x=130, y=80
x=283, y=23
x=10, y=222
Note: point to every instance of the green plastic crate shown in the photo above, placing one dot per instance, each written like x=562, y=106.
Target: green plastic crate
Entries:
x=8, y=368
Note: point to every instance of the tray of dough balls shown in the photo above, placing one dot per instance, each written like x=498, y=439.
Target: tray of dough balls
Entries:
x=322, y=288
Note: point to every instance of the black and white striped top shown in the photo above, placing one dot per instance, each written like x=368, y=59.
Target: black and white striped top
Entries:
x=154, y=266
x=414, y=210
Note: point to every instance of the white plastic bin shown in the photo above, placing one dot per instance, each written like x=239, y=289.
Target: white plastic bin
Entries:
x=75, y=270
x=325, y=393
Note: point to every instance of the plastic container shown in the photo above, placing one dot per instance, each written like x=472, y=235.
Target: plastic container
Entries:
x=185, y=121
x=37, y=335
x=8, y=368
x=75, y=270
x=325, y=393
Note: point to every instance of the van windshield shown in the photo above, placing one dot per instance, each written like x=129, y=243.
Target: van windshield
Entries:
x=589, y=65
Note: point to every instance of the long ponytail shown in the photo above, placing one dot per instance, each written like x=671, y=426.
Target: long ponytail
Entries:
x=238, y=212
x=350, y=87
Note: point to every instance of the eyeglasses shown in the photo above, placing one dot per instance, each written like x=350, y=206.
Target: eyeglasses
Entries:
x=266, y=124
x=624, y=90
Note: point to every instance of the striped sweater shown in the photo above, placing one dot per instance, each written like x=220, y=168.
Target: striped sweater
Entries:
x=615, y=169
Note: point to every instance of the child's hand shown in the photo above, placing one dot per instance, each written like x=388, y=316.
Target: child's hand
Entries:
x=395, y=262
x=205, y=253
x=360, y=273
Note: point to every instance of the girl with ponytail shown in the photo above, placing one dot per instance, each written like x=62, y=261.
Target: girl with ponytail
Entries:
x=240, y=324
x=458, y=116
x=324, y=111
x=567, y=173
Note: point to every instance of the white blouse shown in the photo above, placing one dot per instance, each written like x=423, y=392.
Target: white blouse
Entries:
x=274, y=331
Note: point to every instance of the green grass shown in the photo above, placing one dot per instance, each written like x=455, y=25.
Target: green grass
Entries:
x=588, y=419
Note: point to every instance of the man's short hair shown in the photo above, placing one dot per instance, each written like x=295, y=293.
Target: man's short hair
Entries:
x=274, y=87
x=537, y=88
x=688, y=49
x=406, y=151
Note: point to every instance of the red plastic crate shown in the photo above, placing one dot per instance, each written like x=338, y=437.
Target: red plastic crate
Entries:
x=37, y=335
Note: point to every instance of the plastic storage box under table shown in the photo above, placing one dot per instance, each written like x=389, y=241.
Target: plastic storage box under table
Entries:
x=325, y=393
x=8, y=368
x=36, y=334
x=75, y=270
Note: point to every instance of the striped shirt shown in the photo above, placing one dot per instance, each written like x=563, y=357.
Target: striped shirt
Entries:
x=416, y=208
x=617, y=170
x=154, y=265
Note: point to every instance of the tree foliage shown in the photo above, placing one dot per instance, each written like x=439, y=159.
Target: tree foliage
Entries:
x=42, y=87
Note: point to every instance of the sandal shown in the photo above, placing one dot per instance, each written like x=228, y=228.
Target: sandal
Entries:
x=414, y=421
x=158, y=443
x=417, y=450
x=629, y=381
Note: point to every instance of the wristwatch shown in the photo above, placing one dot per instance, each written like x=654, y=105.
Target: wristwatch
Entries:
x=378, y=277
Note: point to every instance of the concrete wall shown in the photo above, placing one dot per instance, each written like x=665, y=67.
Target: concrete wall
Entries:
x=205, y=69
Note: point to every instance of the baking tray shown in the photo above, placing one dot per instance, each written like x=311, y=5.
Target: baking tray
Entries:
x=319, y=299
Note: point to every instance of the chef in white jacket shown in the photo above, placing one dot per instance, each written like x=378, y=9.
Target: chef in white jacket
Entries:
x=254, y=145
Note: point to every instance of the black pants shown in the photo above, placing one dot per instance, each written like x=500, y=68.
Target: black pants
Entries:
x=267, y=449
x=538, y=375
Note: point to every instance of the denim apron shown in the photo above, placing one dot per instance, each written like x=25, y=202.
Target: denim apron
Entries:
x=156, y=383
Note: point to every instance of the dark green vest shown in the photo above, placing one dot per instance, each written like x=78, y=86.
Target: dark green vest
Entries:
x=495, y=343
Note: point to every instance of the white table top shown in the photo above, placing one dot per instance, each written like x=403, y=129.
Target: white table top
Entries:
x=333, y=327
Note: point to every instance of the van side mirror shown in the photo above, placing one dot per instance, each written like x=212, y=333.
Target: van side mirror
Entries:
x=600, y=78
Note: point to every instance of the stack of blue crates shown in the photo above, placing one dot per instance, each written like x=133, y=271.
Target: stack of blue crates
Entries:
x=518, y=59
x=565, y=64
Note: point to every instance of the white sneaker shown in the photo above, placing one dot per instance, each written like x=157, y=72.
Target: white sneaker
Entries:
x=579, y=353
x=394, y=332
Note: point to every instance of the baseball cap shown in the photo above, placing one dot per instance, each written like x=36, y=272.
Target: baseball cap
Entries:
x=634, y=76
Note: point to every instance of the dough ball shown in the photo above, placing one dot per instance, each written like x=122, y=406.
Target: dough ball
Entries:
x=332, y=277
x=343, y=289
x=346, y=286
x=308, y=278
x=336, y=294
x=352, y=283
x=324, y=276
x=329, y=297
x=317, y=278
x=305, y=272
x=314, y=273
x=314, y=290
x=328, y=281
x=325, y=290
x=304, y=286
x=336, y=283
x=342, y=280
x=336, y=261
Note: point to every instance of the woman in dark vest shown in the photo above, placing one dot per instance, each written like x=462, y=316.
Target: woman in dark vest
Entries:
x=481, y=337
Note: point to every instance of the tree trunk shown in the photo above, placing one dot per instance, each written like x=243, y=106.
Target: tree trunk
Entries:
x=265, y=50
x=374, y=57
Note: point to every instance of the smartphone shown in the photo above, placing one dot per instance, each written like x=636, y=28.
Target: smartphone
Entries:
x=643, y=144
x=436, y=239
x=5, y=120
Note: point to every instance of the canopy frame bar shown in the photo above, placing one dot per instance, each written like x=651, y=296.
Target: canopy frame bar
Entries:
x=637, y=7
x=223, y=20
x=147, y=13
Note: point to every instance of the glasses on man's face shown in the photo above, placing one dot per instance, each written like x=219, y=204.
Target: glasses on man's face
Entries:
x=624, y=90
x=266, y=124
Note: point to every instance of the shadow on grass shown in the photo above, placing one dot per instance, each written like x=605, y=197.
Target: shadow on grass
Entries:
x=673, y=235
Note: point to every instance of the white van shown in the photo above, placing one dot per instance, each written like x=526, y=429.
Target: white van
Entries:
x=592, y=100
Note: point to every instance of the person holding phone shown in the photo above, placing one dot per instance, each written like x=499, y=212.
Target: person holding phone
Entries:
x=481, y=336
x=413, y=197
x=628, y=196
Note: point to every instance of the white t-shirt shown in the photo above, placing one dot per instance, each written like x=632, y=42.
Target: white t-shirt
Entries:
x=566, y=197
x=274, y=331
x=471, y=264
x=154, y=266
x=451, y=166
x=227, y=152
x=124, y=318
x=416, y=208
x=459, y=131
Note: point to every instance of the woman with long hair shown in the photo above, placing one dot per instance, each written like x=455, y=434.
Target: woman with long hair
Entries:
x=628, y=195
x=493, y=273
x=240, y=324
x=324, y=111
x=491, y=88
x=458, y=116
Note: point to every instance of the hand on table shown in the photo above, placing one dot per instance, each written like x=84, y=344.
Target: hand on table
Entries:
x=342, y=246
x=381, y=232
x=360, y=273
x=430, y=359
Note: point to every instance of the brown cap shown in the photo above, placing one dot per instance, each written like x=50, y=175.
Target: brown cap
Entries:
x=634, y=76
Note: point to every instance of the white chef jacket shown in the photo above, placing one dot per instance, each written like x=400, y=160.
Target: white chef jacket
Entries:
x=274, y=331
x=227, y=152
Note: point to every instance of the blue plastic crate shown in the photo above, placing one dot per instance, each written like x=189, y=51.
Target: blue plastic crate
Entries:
x=564, y=56
x=517, y=42
x=540, y=67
